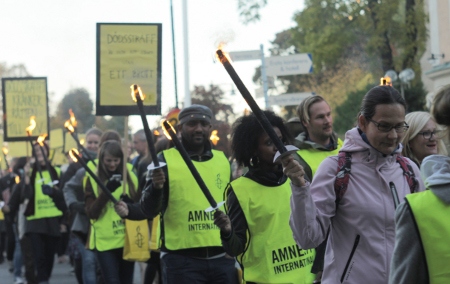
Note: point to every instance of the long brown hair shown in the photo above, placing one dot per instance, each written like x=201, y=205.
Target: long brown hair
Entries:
x=114, y=149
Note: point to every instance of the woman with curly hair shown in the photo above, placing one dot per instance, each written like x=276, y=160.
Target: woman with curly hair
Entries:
x=256, y=230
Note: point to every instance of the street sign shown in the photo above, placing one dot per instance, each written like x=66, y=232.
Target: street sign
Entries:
x=289, y=65
x=245, y=55
x=289, y=99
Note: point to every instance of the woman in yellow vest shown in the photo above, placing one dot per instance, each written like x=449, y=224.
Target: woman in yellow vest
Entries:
x=257, y=204
x=422, y=232
x=44, y=211
x=107, y=231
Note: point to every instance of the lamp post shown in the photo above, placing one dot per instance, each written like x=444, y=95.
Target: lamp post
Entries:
x=405, y=76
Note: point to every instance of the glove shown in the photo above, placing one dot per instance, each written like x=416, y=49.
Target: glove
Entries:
x=113, y=184
x=47, y=189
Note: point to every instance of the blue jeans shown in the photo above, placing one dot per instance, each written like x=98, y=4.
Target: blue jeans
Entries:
x=115, y=269
x=88, y=262
x=183, y=269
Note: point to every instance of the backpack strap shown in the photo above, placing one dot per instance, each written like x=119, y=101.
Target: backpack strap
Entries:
x=408, y=172
x=342, y=175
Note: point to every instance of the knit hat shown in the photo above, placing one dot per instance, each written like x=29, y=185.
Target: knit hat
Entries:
x=195, y=112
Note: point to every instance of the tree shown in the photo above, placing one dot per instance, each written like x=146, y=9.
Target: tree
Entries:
x=82, y=106
x=373, y=35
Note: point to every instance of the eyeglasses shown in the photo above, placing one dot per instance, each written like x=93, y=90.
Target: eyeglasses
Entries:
x=438, y=134
x=387, y=127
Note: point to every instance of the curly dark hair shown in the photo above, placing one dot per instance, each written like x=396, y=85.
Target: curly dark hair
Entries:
x=246, y=131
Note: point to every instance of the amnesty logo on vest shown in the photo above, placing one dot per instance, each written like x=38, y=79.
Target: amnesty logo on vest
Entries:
x=290, y=258
x=200, y=220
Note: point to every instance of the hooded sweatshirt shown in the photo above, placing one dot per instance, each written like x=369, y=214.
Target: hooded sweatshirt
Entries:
x=362, y=228
x=408, y=259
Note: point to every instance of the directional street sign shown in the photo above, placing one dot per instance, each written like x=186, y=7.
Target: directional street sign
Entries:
x=245, y=55
x=289, y=65
x=289, y=99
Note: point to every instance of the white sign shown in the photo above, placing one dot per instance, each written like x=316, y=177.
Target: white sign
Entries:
x=288, y=99
x=289, y=65
x=245, y=55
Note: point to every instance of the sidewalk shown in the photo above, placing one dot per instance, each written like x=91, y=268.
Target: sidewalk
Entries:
x=61, y=274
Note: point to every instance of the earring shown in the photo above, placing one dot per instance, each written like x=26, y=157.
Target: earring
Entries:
x=254, y=161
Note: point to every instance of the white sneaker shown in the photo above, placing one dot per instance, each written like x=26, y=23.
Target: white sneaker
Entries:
x=18, y=280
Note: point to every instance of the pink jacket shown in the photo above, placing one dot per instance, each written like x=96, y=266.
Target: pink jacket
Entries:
x=362, y=229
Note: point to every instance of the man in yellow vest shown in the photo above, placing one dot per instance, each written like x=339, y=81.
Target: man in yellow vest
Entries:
x=191, y=248
x=316, y=143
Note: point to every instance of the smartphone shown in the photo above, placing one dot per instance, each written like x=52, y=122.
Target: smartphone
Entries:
x=116, y=177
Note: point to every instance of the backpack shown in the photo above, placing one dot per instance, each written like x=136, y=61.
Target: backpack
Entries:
x=344, y=169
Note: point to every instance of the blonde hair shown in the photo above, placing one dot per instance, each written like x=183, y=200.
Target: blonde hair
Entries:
x=416, y=121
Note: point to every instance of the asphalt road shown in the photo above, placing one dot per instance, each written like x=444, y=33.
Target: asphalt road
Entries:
x=61, y=274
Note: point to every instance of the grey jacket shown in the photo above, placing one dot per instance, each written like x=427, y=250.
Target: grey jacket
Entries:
x=408, y=263
x=73, y=194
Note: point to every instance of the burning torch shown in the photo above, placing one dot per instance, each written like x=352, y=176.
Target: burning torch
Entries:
x=262, y=119
x=29, y=131
x=71, y=125
x=5, y=154
x=138, y=97
x=74, y=155
x=172, y=135
x=40, y=140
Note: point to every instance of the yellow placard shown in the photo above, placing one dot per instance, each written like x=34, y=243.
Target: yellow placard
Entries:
x=56, y=138
x=19, y=149
x=127, y=54
x=70, y=141
x=57, y=157
x=23, y=98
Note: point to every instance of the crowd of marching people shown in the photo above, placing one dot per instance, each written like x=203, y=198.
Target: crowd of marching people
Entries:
x=366, y=209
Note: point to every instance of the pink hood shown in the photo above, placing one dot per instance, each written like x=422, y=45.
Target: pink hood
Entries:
x=362, y=228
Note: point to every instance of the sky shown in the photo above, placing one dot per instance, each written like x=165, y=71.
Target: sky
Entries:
x=57, y=40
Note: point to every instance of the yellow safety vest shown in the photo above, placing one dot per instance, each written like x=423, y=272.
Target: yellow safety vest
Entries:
x=271, y=254
x=108, y=231
x=313, y=157
x=44, y=207
x=186, y=224
x=431, y=217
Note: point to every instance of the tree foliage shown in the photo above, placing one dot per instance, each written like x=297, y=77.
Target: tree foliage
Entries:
x=353, y=42
x=223, y=113
x=82, y=106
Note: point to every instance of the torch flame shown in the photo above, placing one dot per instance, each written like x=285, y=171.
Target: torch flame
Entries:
x=136, y=91
x=69, y=126
x=41, y=139
x=156, y=132
x=32, y=126
x=386, y=81
x=166, y=131
x=5, y=151
x=222, y=55
x=17, y=179
x=214, y=137
x=72, y=156
x=82, y=141
x=73, y=121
